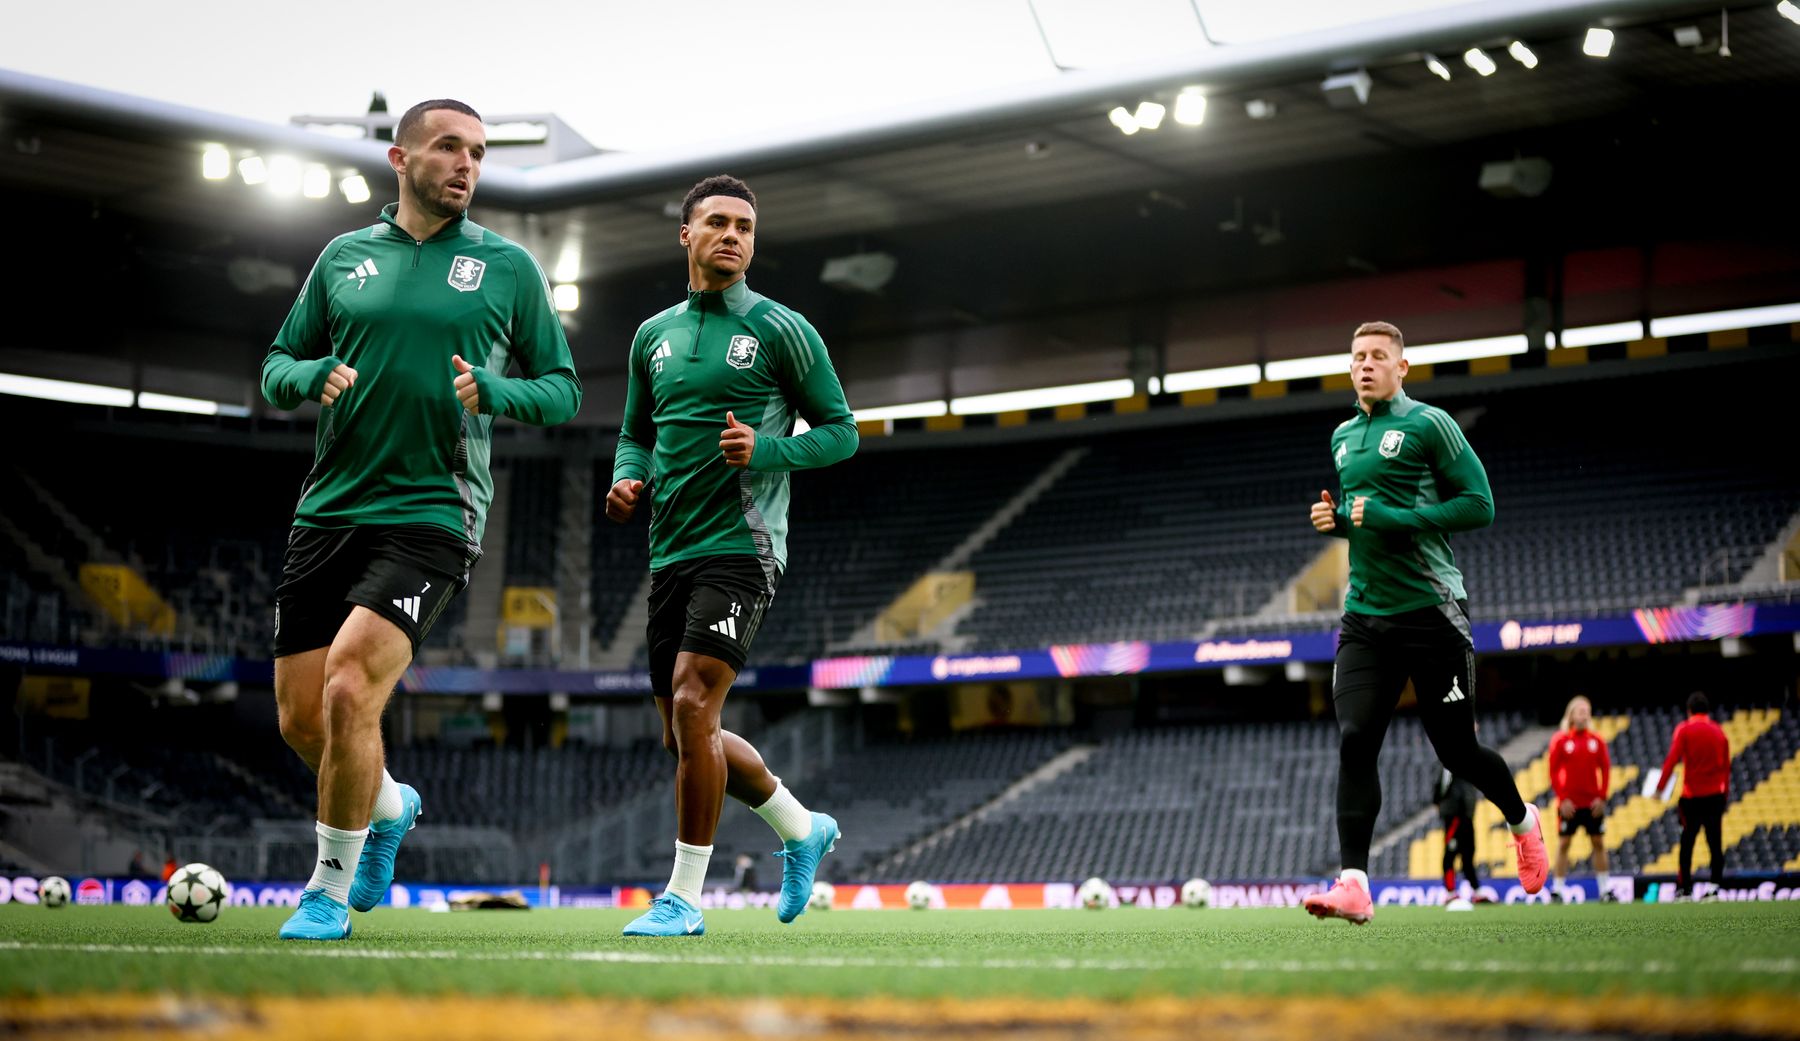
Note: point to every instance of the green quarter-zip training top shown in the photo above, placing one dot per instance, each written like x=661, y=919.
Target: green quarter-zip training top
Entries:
x=716, y=352
x=398, y=447
x=1423, y=482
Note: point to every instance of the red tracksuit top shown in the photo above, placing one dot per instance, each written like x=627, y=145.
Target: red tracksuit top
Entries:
x=1706, y=751
x=1580, y=768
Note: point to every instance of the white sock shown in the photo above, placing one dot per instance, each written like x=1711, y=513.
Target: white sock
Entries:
x=1605, y=880
x=1556, y=884
x=784, y=813
x=388, y=806
x=689, y=876
x=1525, y=823
x=338, y=853
x=1361, y=878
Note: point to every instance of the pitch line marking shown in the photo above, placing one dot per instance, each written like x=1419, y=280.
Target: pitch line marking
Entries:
x=1753, y=966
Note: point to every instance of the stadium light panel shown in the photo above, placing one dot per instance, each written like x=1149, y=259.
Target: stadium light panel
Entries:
x=1205, y=379
x=568, y=263
x=1467, y=350
x=916, y=410
x=1043, y=397
x=1594, y=335
x=1522, y=54
x=1598, y=43
x=567, y=296
x=1789, y=11
x=215, y=163
x=1149, y=114
x=1477, y=59
x=284, y=175
x=1154, y=385
x=175, y=403
x=64, y=390
x=1307, y=368
x=1438, y=68
x=1190, y=107
x=355, y=189
x=253, y=170
x=1720, y=321
x=316, y=183
x=1121, y=117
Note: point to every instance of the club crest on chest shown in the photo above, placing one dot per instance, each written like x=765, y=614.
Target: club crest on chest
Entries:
x=741, y=354
x=465, y=274
x=1391, y=442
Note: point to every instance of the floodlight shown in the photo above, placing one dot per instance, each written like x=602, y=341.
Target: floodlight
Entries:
x=1522, y=54
x=215, y=163
x=1121, y=117
x=1190, y=107
x=1149, y=114
x=355, y=189
x=1438, y=68
x=253, y=170
x=1598, y=43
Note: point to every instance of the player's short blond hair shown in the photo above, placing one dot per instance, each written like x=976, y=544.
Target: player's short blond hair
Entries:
x=1387, y=329
x=1569, y=709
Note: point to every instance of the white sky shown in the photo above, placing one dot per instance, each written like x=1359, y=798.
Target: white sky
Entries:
x=626, y=74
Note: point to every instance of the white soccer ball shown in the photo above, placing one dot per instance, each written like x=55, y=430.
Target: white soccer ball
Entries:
x=54, y=891
x=1196, y=893
x=919, y=895
x=823, y=894
x=197, y=893
x=1095, y=894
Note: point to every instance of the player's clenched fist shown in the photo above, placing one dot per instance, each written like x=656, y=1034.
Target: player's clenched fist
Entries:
x=468, y=392
x=341, y=379
x=621, y=502
x=1324, y=513
x=738, y=442
x=1356, y=510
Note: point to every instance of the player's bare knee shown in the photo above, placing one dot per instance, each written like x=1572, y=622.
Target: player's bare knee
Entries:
x=350, y=702
x=303, y=732
x=691, y=713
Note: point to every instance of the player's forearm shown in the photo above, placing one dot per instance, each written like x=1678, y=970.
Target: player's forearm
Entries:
x=542, y=401
x=288, y=382
x=631, y=459
x=820, y=446
x=1469, y=511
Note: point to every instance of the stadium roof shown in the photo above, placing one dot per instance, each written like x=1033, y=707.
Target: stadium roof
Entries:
x=1009, y=203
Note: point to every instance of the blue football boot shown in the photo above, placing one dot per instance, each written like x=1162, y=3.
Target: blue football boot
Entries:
x=375, y=868
x=318, y=917
x=801, y=863
x=669, y=915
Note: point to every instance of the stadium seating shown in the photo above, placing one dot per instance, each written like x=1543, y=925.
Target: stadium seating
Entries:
x=1153, y=534
x=889, y=794
x=532, y=505
x=1643, y=833
x=1229, y=801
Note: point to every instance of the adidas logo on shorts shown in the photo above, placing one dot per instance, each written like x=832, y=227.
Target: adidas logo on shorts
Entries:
x=726, y=627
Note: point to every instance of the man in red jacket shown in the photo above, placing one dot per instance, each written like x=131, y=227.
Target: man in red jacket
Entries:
x=1705, y=786
x=1580, y=777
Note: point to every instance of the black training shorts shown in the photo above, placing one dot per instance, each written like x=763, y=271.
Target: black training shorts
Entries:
x=1583, y=819
x=406, y=573
x=709, y=605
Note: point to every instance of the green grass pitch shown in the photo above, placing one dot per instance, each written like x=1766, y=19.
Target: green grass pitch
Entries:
x=1701, y=950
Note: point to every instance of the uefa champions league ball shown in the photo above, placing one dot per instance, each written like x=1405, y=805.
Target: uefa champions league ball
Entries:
x=1094, y=894
x=197, y=893
x=918, y=895
x=54, y=892
x=1196, y=893
x=823, y=895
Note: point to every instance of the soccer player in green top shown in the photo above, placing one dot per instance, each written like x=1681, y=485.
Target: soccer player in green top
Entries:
x=715, y=384
x=404, y=332
x=1409, y=480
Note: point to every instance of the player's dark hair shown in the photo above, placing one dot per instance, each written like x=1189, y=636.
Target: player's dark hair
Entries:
x=718, y=184
x=1387, y=329
x=1698, y=705
x=415, y=117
